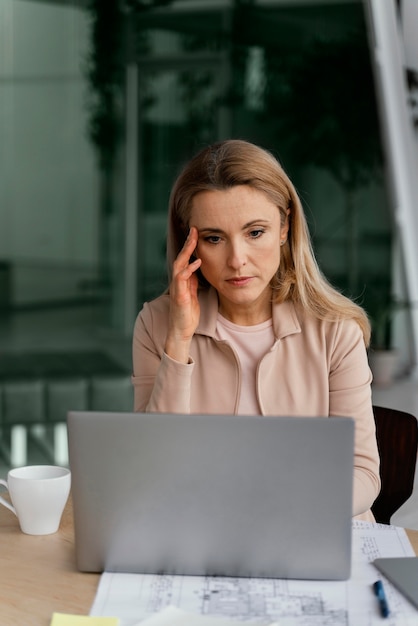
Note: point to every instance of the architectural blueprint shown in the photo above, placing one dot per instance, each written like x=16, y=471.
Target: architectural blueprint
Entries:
x=134, y=597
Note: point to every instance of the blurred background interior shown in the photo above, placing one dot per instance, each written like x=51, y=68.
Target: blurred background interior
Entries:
x=101, y=102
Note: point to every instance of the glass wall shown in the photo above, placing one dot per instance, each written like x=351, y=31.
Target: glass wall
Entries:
x=99, y=110
x=296, y=79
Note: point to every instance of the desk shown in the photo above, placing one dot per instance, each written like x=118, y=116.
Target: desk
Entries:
x=38, y=575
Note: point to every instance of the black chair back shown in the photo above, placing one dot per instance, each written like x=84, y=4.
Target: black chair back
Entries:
x=397, y=440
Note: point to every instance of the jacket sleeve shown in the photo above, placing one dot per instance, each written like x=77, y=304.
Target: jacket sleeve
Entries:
x=161, y=385
x=350, y=395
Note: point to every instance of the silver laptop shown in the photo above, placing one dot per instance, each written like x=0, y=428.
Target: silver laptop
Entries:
x=212, y=494
x=402, y=571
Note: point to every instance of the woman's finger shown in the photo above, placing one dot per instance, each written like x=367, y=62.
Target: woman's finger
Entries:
x=183, y=258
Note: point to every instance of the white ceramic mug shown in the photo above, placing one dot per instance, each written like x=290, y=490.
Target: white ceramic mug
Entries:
x=38, y=494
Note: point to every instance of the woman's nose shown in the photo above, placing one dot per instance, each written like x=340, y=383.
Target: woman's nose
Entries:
x=236, y=256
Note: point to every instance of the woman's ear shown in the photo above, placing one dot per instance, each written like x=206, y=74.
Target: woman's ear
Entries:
x=285, y=228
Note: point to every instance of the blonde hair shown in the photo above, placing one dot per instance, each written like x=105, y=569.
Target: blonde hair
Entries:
x=235, y=162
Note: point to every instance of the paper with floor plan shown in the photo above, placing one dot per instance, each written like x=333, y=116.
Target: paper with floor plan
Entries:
x=136, y=597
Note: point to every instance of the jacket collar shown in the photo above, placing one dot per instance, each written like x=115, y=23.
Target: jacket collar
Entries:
x=285, y=318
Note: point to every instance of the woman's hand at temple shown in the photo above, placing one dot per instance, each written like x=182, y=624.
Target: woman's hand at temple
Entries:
x=184, y=304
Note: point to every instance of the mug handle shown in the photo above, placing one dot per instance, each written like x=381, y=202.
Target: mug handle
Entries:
x=3, y=501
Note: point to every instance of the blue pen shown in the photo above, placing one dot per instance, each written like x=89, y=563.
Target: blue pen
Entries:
x=381, y=596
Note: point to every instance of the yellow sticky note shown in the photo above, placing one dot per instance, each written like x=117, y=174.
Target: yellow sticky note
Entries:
x=63, y=619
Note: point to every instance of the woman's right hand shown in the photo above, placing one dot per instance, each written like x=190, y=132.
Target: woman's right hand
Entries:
x=184, y=304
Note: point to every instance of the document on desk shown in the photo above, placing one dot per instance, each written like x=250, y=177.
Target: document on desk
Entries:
x=136, y=597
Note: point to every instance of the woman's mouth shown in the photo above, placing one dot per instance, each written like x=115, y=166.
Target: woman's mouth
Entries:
x=239, y=281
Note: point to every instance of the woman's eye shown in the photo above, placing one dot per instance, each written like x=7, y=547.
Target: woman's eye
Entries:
x=213, y=239
x=254, y=234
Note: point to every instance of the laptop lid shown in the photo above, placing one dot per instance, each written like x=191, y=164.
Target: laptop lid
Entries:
x=212, y=494
x=403, y=573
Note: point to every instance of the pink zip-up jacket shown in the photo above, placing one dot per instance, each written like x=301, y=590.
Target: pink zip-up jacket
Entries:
x=315, y=368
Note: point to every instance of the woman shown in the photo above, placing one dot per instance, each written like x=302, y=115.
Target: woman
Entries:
x=249, y=325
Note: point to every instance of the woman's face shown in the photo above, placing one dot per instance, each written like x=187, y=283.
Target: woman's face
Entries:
x=239, y=236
